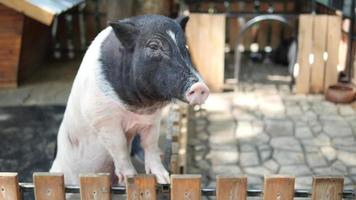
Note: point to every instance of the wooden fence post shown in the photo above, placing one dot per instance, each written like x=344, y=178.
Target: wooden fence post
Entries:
x=141, y=187
x=327, y=188
x=9, y=187
x=278, y=187
x=231, y=188
x=49, y=186
x=95, y=186
x=185, y=187
x=304, y=53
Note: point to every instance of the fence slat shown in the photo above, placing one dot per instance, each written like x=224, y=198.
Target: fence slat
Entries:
x=304, y=52
x=334, y=37
x=49, y=186
x=327, y=188
x=319, y=47
x=9, y=186
x=278, y=187
x=141, y=187
x=95, y=186
x=185, y=187
x=231, y=188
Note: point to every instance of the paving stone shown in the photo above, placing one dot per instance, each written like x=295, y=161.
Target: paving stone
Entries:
x=259, y=171
x=329, y=153
x=303, y=132
x=249, y=159
x=203, y=164
x=286, y=143
x=279, y=128
x=266, y=154
x=346, y=110
x=288, y=158
x=317, y=128
x=222, y=136
x=226, y=170
x=296, y=170
x=345, y=141
x=244, y=114
x=272, y=165
x=326, y=171
x=293, y=110
x=337, y=131
x=247, y=148
x=223, y=157
x=347, y=158
x=315, y=160
x=353, y=171
x=338, y=165
x=322, y=140
x=224, y=147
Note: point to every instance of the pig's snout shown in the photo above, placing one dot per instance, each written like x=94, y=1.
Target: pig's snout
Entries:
x=197, y=93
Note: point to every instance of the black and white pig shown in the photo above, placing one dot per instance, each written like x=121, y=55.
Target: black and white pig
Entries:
x=131, y=70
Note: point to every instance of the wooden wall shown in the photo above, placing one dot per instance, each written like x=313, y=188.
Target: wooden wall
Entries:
x=10, y=45
x=206, y=40
x=35, y=47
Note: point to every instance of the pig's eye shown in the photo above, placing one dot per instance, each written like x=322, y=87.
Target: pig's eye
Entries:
x=154, y=46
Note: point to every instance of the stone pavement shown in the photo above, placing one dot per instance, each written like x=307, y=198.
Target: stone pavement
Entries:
x=264, y=129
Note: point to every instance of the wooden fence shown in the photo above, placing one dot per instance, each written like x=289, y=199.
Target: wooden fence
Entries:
x=318, y=52
x=50, y=186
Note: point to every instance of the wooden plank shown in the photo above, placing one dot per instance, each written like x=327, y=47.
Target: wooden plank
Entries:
x=231, y=188
x=141, y=187
x=9, y=187
x=304, y=52
x=95, y=186
x=327, y=188
x=319, y=47
x=30, y=10
x=278, y=187
x=185, y=187
x=208, y=57
x=333, y=38
x=49, y=186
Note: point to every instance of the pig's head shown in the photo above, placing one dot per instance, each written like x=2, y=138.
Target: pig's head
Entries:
x=155, y=61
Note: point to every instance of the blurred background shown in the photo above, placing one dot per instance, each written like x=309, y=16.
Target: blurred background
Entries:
x=282, y=74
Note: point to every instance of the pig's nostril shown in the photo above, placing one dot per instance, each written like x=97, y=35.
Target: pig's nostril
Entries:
x=202, y=93
x=191, y=93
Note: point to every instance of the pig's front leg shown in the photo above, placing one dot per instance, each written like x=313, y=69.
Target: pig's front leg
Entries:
x=117, y=145
x=153, y=163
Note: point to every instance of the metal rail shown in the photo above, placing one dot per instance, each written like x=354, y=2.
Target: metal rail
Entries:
x=347, y=194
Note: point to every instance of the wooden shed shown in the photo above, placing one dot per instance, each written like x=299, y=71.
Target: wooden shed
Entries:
x=25, y=35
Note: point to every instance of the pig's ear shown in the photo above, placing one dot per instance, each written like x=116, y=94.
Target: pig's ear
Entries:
x=182, y=21
x=126, y=32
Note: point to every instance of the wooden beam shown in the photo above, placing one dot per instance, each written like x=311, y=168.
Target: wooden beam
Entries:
x=319, y=48
x=278, y=187
x=185, y=187
x=9, y=187
x=30, y=10
x=304, y=53
x=231, y=188
x=95, y=186
x=327, y=188
x=141, y=187
x=49, y=186
x=333, y=37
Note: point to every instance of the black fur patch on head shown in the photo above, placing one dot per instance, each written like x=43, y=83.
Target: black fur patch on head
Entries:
x=146, y=61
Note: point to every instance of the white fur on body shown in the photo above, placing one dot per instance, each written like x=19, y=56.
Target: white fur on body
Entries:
x=97, y=130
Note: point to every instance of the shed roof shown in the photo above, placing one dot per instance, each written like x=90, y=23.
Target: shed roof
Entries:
x=41, y=10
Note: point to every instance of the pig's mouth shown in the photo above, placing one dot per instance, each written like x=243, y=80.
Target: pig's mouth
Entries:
x=196, y=94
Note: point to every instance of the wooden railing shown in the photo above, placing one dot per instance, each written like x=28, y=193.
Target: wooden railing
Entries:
x=50, y=186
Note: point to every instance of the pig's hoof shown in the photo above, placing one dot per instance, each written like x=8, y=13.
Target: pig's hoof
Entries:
x=121, y=176
x=161, y=173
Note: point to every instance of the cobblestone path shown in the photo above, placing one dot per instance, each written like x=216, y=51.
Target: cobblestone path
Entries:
x=263, y=129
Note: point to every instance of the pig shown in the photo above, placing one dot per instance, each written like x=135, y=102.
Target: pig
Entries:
x=132, y=69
